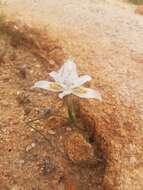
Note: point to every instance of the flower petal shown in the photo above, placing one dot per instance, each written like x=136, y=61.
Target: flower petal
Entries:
x=70, y=68
x=83, y=92
x=83, y=79
x=53, y=86
x=64, y=93
x=68, y=73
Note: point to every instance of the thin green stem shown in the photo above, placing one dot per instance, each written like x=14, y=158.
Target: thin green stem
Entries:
x=71, y=109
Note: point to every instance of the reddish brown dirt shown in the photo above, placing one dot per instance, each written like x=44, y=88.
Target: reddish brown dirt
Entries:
x=31, y=159
x=106, y=39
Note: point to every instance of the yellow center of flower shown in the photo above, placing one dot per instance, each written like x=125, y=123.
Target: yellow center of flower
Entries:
x=80, y=90
x=55, y=86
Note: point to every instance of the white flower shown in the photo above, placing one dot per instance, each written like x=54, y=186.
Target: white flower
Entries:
x=68, y=82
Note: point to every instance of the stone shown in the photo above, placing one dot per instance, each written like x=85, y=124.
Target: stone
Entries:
x=52, y=63
x=51, y=132
x=68, y=129
x=30, y=146
x=78, y=149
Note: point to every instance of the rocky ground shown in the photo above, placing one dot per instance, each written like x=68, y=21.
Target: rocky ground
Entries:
x=106, y=39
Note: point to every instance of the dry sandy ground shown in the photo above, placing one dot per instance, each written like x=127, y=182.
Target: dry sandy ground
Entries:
x=106, y=40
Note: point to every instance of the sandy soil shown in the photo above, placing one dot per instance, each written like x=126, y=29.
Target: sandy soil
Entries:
x=106, y=39
x=40, y=150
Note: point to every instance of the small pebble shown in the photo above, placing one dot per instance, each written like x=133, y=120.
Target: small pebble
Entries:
x=51, y=132
x=52, y=62
x=29, y=147
x=37, y=122
x=38, y=66
x=33, y=145
x=31, y=71
x=68, y=129
x=15, y=27
x=32, y=130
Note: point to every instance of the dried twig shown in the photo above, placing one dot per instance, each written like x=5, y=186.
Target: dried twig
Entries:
x=38, y=131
